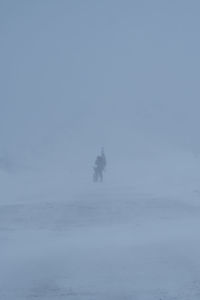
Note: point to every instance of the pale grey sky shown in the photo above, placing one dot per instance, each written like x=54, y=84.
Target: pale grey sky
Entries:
x=99, y=71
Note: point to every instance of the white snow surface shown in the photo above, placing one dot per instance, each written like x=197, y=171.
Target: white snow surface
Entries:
x=77, y=76
x=99, y=241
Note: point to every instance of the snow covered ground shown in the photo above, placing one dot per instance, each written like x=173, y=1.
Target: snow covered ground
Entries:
x=100, y=242
x=77, y=76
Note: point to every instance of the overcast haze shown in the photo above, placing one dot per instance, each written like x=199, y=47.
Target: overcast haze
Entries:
x=77, y=76
x=109, y=73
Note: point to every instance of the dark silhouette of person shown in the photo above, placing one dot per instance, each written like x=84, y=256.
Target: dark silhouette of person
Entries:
x=103, y=159
x=99, y=167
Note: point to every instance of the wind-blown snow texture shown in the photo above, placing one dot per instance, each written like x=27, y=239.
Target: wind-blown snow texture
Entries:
x=77, y=76
x=100, y=242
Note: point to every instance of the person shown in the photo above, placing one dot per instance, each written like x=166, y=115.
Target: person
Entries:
x=103, y=158
x=99, y=167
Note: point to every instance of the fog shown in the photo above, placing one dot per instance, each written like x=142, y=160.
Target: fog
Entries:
x=121, y=75
x=77, y=76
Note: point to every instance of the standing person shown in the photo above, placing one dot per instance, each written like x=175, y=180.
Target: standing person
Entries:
x=99, y=167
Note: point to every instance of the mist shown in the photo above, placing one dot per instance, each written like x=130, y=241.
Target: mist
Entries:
x=101, y=73
x=77, y=76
